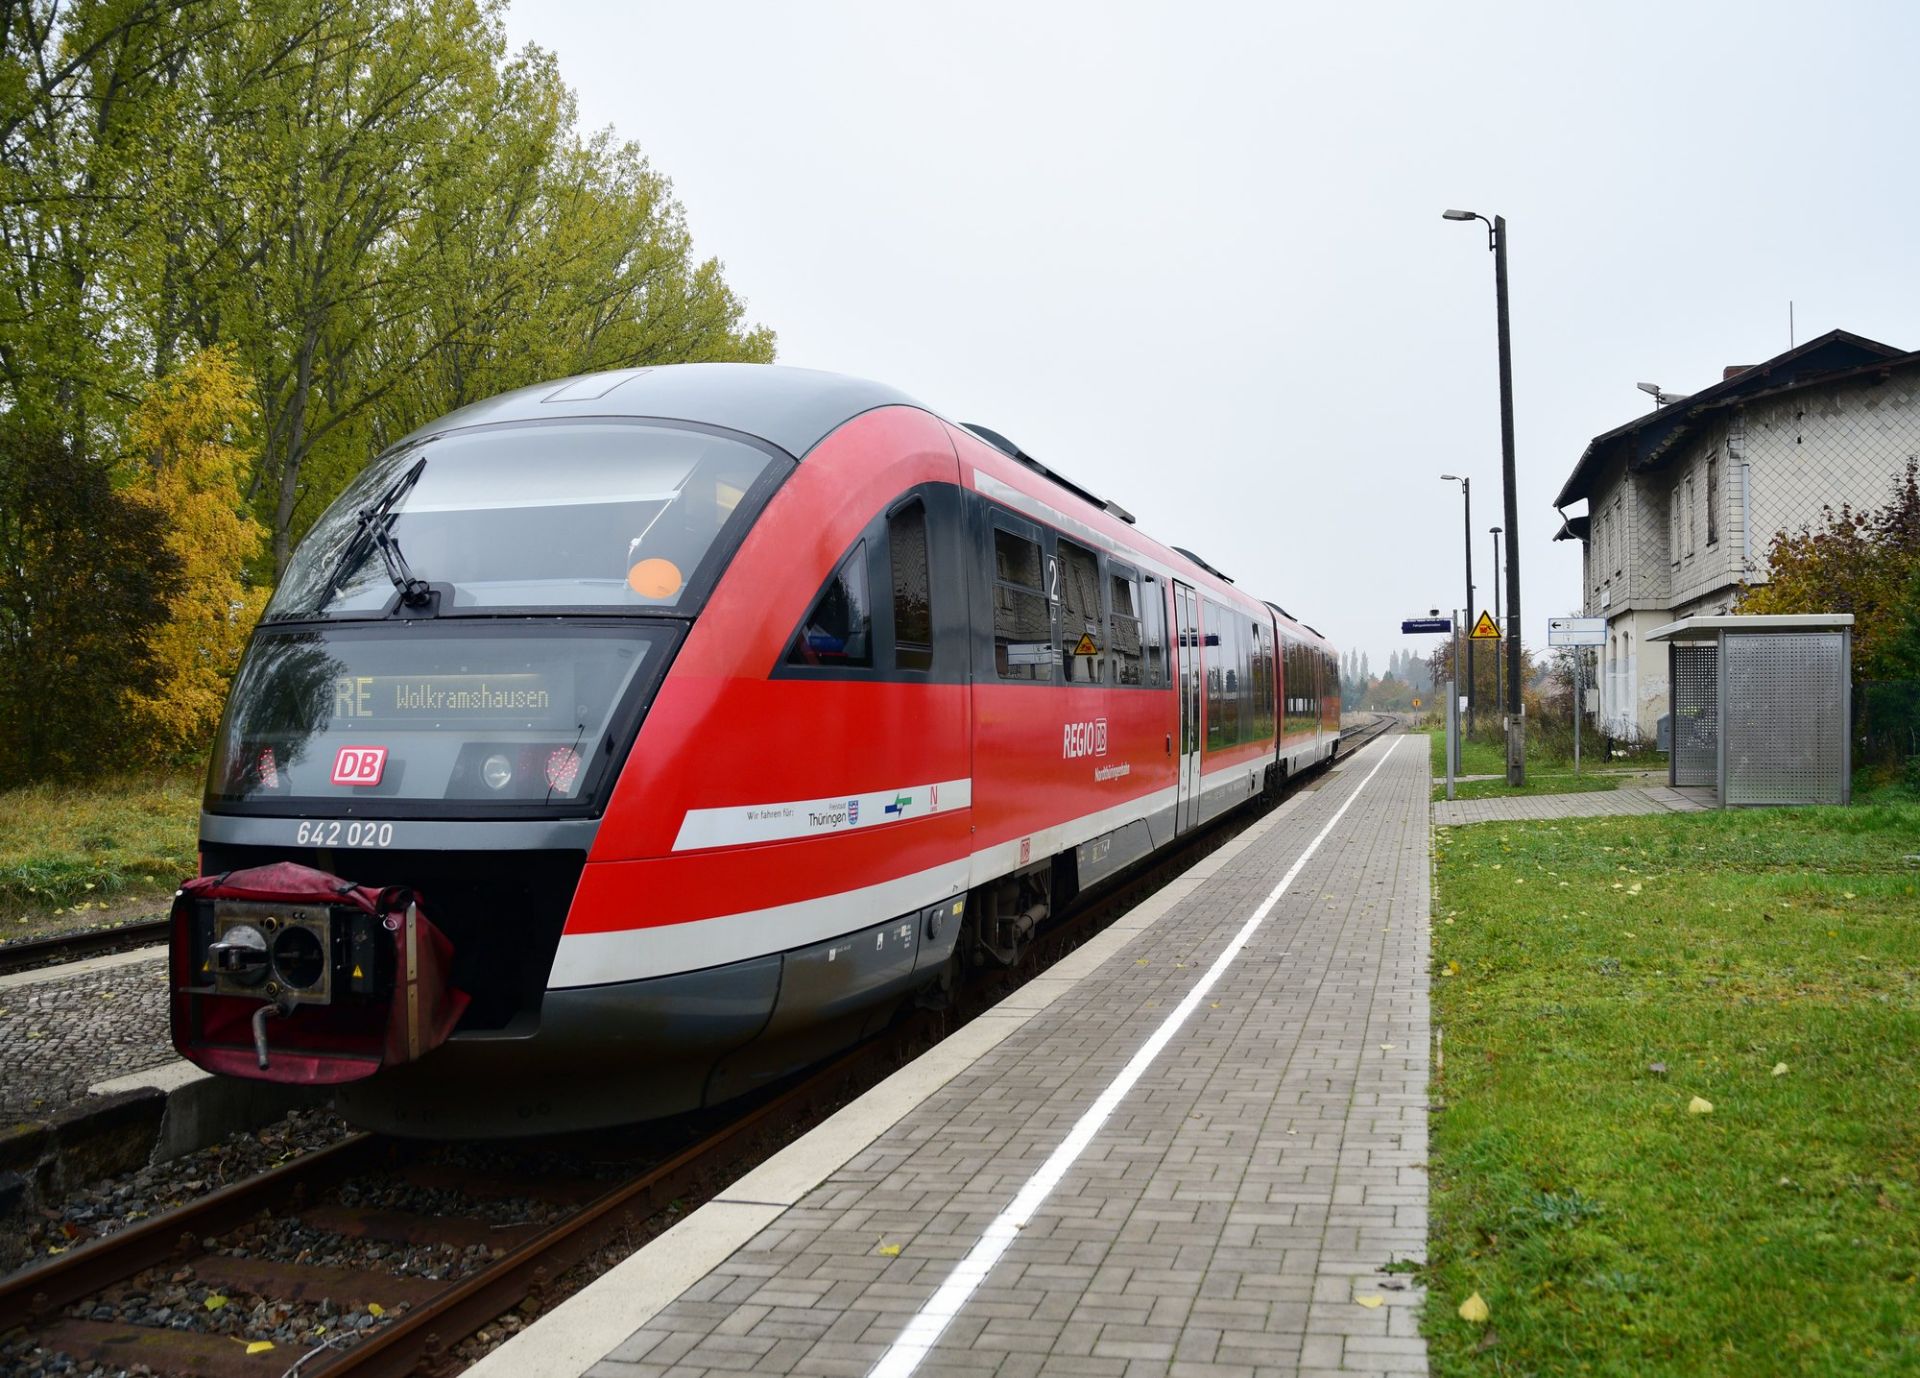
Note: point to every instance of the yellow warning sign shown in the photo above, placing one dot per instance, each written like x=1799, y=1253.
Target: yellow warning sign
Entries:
x=1484, y=630
x=1086, y=646
x=1416, y=703
x=358, y=974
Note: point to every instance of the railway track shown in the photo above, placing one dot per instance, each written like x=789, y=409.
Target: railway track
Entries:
x=506, y=1229
x=73, y=947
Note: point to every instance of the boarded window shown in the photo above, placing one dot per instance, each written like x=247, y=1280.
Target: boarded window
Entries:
x=912, y=589
x=1022, y=621
x=838, y=632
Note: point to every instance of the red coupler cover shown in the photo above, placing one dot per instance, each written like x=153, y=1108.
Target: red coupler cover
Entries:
x=317, y=1045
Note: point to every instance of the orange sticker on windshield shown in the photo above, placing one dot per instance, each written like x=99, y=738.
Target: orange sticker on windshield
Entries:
x=655, y=578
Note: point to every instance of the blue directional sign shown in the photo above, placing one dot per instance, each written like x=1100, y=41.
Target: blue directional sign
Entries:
x=1426, y=624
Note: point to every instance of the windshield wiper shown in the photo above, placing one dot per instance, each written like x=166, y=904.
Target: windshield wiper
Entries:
x=376, y=529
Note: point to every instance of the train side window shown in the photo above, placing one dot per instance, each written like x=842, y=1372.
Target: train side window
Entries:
x=1081, y=625
x=1022, y=621
x=1125, y=636
x=1153, y=632
x=912, y=588
x=839, y=630
x=1262, y=685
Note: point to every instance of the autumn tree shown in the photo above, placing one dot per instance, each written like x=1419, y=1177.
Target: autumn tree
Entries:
x=190, y=448
x=1864, y=562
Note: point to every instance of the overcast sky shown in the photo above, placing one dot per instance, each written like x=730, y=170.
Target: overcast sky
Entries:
x=1192, y=255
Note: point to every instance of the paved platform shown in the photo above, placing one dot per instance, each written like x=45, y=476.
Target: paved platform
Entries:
x=67, y=1028
x=1591, y=804
x=1197, y=1145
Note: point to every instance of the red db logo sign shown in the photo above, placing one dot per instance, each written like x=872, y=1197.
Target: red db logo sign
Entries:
x=359, y=765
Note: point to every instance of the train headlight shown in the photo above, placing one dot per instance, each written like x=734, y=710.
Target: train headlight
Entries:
x=497, y=771
x=299, y=958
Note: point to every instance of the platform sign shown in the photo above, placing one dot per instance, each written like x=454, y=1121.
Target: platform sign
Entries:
x=1414, y=625
x=1485, y=629
x=1576, y=631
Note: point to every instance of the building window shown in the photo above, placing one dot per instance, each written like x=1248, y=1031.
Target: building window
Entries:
x=1619, y=540
x=1692, y=524
x=1673, y=525
x=912, y=588
x=1713, y=500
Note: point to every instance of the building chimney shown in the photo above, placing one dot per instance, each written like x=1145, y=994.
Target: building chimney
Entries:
x=1733, y=371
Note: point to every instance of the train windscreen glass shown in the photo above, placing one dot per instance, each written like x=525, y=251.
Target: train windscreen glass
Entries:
x=597, y=515
x=511, y=716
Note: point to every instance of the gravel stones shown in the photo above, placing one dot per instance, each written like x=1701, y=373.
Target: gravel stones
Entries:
x=106, y=1206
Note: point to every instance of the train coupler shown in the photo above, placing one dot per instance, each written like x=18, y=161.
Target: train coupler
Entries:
x=357, y=976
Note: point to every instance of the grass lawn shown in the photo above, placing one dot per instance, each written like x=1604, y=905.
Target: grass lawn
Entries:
x=75, y=856
x=1594, y=976
x=1547, y=773
x=1556, y=781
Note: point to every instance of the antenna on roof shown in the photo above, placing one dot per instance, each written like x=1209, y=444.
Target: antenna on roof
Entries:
x=1013, y=451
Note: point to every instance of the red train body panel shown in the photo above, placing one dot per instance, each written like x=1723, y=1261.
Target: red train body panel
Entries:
x=913, y=694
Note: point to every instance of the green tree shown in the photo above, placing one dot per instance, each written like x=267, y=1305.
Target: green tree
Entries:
x=1863, y=562
x=85, y=575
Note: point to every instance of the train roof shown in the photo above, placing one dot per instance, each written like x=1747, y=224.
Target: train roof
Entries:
x=794, y=408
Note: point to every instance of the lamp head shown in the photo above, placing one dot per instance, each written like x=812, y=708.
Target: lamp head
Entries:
x=1458, y=215
x=1495, y=530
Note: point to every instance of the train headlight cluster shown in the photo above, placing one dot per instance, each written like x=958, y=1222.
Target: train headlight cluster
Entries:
x=497, y=771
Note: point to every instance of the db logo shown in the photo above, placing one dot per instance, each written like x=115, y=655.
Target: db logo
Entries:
x=1084, y=739
x=359, y=765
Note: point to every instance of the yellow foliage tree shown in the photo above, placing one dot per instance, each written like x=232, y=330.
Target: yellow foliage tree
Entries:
x=190, y=448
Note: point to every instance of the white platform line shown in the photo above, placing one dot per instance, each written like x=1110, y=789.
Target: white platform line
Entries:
x=903, y=1356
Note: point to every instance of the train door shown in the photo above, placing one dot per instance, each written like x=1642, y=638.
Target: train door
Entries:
x=1186, y=610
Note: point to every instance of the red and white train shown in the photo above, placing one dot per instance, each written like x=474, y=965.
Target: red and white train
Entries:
x=649, y=735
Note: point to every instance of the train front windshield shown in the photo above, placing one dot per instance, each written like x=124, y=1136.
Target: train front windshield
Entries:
x=465, y=632
x=537, y=517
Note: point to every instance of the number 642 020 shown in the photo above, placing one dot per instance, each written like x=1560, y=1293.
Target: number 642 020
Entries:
x=334, y=832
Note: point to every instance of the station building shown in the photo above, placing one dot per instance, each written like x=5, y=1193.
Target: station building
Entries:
x=1683, y=502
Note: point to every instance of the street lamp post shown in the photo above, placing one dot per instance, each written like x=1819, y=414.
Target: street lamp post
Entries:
x=1466, y=499
x=1496, y=599
x=1516, y=724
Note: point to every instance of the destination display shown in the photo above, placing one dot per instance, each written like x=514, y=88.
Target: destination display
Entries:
x=540, y=698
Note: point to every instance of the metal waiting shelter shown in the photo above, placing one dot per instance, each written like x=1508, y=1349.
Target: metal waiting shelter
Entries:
x=1761, y=707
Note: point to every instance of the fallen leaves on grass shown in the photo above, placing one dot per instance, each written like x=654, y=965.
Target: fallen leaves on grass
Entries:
x=1779, y=1069
x=1475, y=1309
x=1699, y=1105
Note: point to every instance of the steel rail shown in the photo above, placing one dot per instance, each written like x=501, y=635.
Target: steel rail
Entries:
x=29, y=953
